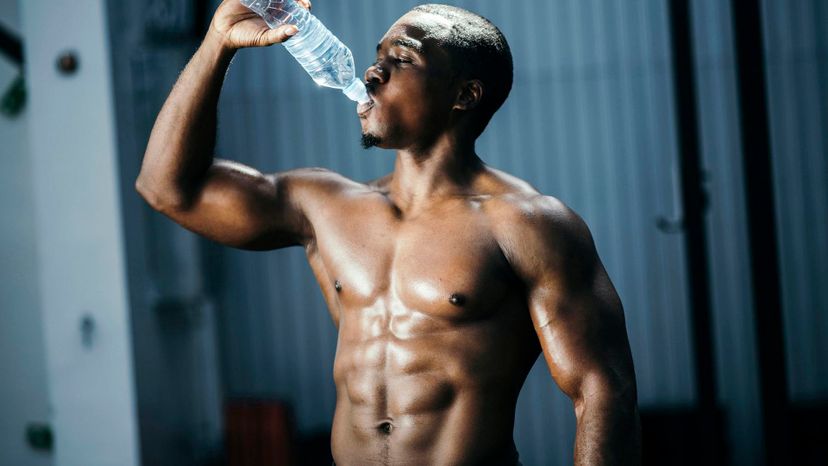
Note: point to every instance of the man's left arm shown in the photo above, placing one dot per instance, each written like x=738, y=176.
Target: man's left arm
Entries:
x=579, y=320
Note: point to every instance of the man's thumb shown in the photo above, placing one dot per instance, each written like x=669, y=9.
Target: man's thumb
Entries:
x=281, y=34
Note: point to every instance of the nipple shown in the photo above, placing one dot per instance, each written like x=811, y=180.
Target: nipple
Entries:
x=337, y=285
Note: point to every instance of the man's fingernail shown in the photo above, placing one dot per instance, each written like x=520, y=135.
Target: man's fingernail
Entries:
x=291, y=31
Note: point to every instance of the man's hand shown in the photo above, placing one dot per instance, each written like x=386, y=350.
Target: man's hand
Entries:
x=237, y=26
x=225, y=201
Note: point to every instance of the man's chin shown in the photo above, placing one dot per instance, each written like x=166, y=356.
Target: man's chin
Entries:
x=370, y=140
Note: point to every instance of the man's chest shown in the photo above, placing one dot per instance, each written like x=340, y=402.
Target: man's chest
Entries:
x=444, y=264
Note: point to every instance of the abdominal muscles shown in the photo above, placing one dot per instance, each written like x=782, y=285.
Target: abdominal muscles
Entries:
x=439, y=395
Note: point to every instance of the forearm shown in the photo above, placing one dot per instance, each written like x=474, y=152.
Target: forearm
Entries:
x=608, y=432
x=180, y=148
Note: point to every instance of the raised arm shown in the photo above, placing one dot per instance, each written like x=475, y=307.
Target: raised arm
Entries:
x=579, y=321
x=226, y=201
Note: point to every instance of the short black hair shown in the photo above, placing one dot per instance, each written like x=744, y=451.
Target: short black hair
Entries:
x=479, y=51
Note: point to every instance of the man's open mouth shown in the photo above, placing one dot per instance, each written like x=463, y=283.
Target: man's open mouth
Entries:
x=365, y=107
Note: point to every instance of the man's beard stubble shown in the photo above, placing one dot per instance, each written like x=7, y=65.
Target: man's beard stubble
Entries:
x=369, y=140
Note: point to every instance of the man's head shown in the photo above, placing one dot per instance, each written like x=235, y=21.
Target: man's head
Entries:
x=439, y=68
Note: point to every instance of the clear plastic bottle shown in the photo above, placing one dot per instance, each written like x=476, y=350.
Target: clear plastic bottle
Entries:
x=326, y=59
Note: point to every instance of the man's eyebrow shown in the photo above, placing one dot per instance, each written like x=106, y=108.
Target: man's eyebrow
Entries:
x=405, y=43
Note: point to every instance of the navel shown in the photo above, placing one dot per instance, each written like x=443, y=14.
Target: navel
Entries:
x=457, y=299
x=386, y=427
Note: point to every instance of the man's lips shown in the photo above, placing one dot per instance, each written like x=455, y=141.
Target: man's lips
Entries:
x=364, y=108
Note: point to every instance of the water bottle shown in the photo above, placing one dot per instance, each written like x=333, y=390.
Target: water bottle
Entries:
x=326, y=59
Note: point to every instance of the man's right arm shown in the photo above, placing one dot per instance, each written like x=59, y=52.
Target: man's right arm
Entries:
x=225, y=201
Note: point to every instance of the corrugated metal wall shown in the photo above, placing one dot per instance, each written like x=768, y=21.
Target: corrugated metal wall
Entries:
x=733, y=332
x=796, y=44
x=590, y=121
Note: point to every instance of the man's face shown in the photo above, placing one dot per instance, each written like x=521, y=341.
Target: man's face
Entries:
x=411, y=85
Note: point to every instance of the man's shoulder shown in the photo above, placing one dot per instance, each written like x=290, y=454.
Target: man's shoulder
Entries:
x=537, y=230
x=519, y=209
x=320, y=180
x=535, y=217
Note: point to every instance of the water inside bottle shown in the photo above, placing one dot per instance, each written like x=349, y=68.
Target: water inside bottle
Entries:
x=326, y=59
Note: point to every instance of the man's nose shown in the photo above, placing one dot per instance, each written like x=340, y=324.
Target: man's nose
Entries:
x=376, y=74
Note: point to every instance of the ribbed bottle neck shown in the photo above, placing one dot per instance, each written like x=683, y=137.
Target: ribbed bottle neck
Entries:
x=356, y=91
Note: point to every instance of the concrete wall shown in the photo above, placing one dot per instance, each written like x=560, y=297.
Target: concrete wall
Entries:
x=24, y=389
x=78, y=235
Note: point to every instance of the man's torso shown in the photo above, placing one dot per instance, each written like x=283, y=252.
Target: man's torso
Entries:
x=435, y=339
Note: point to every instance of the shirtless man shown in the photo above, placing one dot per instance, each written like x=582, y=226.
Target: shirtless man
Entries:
x=446, y=278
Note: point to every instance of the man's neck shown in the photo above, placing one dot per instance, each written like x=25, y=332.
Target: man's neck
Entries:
x=422, y=177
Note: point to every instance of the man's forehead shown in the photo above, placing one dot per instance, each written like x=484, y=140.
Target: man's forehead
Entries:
x=421, y=27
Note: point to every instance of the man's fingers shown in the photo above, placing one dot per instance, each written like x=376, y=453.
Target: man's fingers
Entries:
x=305, y=3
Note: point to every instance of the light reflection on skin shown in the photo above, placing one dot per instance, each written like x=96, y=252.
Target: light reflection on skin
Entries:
x=373, y=320
x=402, y=360
x=424, y=290
x=373, y=353
x=359, y=280
x=434, y=27
x=408, y=325
x=390, y=316
x=406, y=322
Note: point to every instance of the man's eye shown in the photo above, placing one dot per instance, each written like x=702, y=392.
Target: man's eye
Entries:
x=393, y=59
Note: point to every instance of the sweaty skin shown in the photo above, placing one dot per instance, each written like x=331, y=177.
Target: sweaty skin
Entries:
x=446, y=278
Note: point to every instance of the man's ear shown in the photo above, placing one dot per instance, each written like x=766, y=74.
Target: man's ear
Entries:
x=470, y=95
